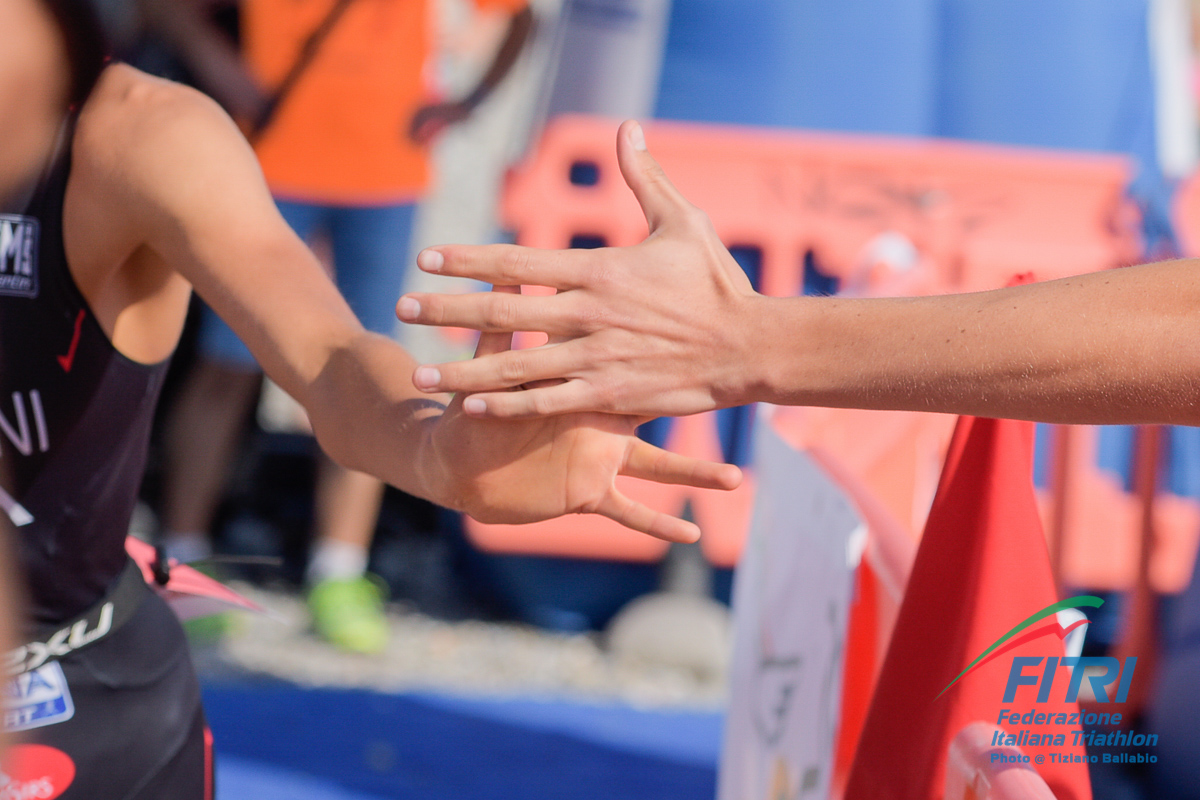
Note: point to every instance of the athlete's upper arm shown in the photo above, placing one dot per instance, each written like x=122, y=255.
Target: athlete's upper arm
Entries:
x=192, y=191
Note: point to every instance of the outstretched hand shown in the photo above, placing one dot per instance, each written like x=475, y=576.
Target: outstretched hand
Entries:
x=666, y=327
x=514, y=471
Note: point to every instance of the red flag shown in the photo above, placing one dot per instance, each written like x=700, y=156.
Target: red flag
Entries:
x=982, y=569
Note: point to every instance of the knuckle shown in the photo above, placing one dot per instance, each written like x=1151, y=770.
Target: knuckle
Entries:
x=604, y=397
x=515, y=264
x=591, y=351
x=592, y=318
x=599, y=273
x=540, y=403
x=514, y=368
x=697, y=219
x=599, y=349
x=501, y=312
x=607, y=269
x=654, y=172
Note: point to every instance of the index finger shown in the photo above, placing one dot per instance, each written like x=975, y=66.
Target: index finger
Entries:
x=509, y=264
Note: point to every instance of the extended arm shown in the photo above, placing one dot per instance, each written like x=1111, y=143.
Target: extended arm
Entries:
x=672, y=326
x=1110, y=347
x=188, y=184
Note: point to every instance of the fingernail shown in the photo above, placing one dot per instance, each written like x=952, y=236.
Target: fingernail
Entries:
x=408, y=308
x=431, y=260
x=427, y=377
x=473, y=405
x=637, y=137
x=733, y=476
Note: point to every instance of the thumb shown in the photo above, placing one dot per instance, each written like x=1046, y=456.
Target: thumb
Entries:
x=655, y=193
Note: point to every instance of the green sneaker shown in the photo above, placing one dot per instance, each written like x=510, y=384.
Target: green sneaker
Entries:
x=349, y=614
x=209, y=631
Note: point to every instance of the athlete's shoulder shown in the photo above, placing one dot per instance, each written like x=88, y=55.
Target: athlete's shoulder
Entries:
x=157, y=143
x=132, y=91
x=129, y=109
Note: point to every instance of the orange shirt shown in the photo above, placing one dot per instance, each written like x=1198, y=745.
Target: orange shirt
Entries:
x=341, y=135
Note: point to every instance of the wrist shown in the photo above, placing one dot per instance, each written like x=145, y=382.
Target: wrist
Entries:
x=435, y=479
x=757, y=364
x=776, y=366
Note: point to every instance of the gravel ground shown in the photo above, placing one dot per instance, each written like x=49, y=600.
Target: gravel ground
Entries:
x=468, y=658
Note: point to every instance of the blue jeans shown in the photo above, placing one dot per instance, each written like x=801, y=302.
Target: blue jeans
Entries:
x=370, y=254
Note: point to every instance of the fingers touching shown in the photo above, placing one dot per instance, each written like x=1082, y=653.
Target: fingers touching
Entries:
x=495, y=343
x=511, y=265
x=490, y=311
x=560, y=398
x=501, y=370
x=508, y=264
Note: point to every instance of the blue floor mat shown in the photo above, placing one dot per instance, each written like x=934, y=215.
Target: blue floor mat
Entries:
x=241, y=778
x=279, y=741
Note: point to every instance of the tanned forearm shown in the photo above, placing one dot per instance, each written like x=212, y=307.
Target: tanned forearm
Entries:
x=1121, y=346
x=364, y=412
x=673, y=326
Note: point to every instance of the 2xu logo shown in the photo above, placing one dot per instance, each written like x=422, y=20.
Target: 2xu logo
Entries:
x=18, y=255
x=35, y=772
x=34, y=654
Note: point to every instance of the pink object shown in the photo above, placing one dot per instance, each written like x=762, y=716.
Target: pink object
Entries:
x=189, y=592
x=978, y=770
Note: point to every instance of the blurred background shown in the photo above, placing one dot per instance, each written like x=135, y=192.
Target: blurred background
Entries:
x=411, y=653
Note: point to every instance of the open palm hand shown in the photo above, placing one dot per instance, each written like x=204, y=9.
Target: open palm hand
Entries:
x=513, y=471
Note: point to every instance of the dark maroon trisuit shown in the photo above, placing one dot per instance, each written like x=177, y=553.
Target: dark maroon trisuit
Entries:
x=105, y=676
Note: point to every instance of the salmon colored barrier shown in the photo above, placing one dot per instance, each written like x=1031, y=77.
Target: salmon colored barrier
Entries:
x=1102, y=527
x=981, y=213
x=897, y=455
x=1141, y=634
x=974, y=215
x=1186, y=216
x=978, y=770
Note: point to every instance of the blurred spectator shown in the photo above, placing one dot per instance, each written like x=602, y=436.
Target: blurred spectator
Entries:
x=201, y=36
x=341, y=130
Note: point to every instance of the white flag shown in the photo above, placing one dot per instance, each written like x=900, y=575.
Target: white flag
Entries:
x=791, y=599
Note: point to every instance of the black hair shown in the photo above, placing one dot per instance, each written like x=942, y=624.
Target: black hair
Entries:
x=86, y=43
